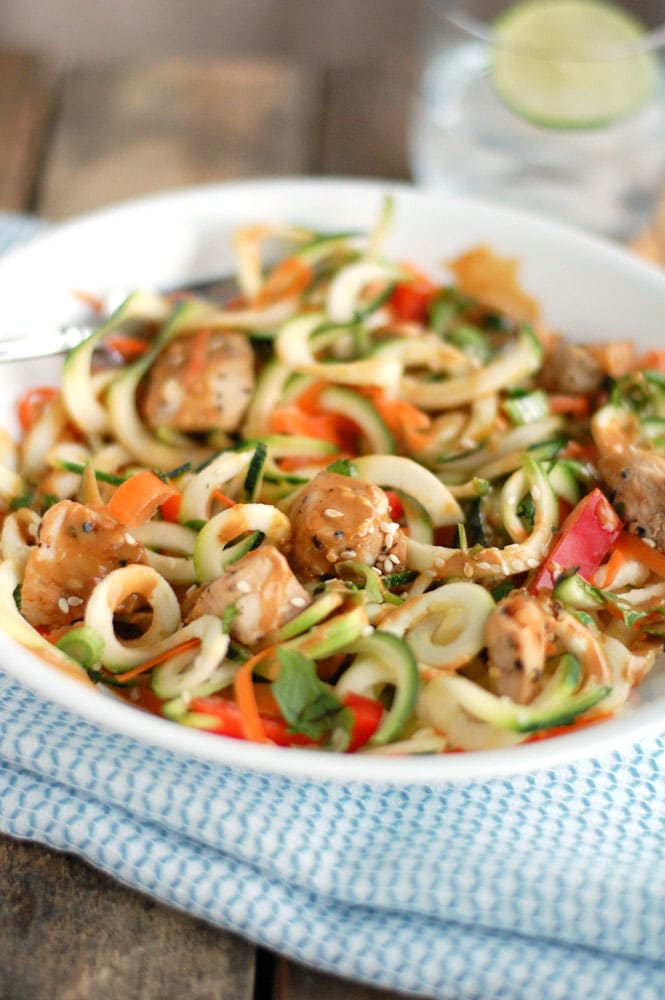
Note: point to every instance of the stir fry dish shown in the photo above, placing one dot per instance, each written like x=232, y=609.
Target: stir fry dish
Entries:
x=354, y=508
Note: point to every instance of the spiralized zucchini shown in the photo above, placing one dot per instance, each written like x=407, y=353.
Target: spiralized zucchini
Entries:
x=400, y=541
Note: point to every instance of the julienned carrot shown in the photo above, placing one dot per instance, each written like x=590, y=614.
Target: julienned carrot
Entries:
x=655, y=360
x=30, y=406
x=403, y=419
x=170, y=509
x=292, y=463
x=223, y=499
x=136, y=500
x=198, y=353
x=612, y=567
x=290, y=278
x=252, y=724
x=156, y=660
x=633, y=547
x=332, y=427
x=128, y=347
x=576, y=406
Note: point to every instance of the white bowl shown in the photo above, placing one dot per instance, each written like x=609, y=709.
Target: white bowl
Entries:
x=588, y=289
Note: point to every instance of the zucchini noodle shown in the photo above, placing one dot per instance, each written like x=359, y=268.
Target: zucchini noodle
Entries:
x=357, y=507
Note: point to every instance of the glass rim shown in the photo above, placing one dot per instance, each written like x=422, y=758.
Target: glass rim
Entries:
x=649, y=42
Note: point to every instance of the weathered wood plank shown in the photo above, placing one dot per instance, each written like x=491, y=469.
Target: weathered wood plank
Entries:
x=295, y=982
x=366, y=119
x=25, y=101
x=126, y=131
x=71, y=933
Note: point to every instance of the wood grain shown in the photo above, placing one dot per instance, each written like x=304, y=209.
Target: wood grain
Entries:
x=365, y=119
x=71, y=933
x=295, y=982
x=25, y=102
x=126, y=131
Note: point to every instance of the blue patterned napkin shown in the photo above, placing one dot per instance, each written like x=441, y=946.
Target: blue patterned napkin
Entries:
x=548, y=885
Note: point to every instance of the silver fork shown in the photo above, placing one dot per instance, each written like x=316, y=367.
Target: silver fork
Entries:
x=59, y=340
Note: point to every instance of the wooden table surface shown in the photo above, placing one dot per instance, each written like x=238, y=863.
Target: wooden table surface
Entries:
x=73, y=143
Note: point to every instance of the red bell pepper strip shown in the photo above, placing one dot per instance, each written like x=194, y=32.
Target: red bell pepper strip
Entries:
x=366, y=713
x=583, y=541
x=410, y=300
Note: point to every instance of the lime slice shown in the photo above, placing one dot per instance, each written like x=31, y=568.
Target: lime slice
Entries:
x=571, y=63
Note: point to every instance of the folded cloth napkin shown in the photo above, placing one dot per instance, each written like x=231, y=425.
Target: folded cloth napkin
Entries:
x=547, y=885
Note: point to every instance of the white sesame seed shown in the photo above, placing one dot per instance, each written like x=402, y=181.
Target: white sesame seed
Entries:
x=348, y=554
x=389, y=541
x=387, y=566
x=299, y=602
x=331, y=512
x=385, y=525
x=368, y=630
x=63, y=605
x=468, y=570
x=394, y=559
x=74, y=601
x=243, y=587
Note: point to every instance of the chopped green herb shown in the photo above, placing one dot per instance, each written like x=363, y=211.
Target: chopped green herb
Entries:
x=343, y=467
x=306, y=703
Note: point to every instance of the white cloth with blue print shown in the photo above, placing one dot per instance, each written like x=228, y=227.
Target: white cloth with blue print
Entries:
x=546, y=886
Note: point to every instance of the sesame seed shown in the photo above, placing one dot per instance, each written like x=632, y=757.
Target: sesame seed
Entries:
x=387, y=566
x=331, y=512
x=390, y=541
x=74, y=601
x=394, y=559
x=299, y=602
x=468, y=570
x=386, y=526
x=243, y=587
x=348, y=554
x=63, y=605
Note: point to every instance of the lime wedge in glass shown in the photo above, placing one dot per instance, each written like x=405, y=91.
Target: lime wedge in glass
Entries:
x=571, y=63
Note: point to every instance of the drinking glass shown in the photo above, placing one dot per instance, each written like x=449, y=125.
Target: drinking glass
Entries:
x=603, y=174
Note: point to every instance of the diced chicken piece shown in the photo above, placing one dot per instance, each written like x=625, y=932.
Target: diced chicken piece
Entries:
x=636, y=479
x=78, y=545
x=338, y=518
x=516, y=638
x=214, y=396
x=571, y=369
x=263, y=589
